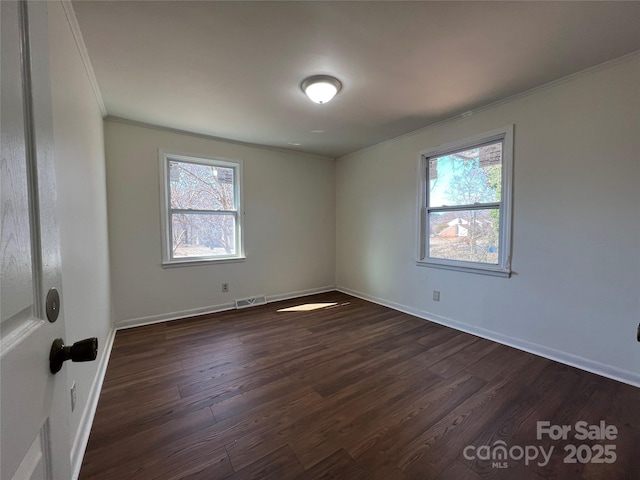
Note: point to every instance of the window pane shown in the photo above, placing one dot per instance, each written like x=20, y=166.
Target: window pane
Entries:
x=469, y=235
x=203, y=235
x=466, y=177
x=201, y=187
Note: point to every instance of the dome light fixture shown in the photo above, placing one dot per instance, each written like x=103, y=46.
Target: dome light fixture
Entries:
x=321, y=88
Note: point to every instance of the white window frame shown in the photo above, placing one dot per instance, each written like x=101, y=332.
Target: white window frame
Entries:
x=165, y=209
x=503, y=268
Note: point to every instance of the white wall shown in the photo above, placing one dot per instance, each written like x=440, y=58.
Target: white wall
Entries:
x=289, y=225
x=82, y=215
x=575, y=291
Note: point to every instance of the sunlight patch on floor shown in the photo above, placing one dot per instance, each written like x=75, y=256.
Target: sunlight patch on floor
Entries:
x=307, y=307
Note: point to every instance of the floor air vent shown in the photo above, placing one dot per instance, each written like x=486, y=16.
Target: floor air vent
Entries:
x=251, y=301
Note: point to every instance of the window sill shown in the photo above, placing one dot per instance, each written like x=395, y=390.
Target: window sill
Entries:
x=201, y=261
x=492, y=270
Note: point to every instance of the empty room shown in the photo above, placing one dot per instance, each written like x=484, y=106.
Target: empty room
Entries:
x=376, y=240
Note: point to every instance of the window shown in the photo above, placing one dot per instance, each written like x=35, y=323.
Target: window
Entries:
x=201, y=212
x=465, y=198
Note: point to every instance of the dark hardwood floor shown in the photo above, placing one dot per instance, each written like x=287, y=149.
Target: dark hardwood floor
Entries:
x=350, y=391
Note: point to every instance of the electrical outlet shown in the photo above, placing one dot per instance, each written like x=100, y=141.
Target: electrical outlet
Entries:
x=73, y=396
x=225, y=287
x=436, y=295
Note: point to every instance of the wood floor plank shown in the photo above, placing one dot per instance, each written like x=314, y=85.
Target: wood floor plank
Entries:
x=254, y=423
x=338, y=466
x=179, y=463
x=245, y=401
x=449, y=435
x=589, y=402
x=281, y=464
x=545, y=393
x=350, y=391
x=458, y=471
x=243, y=449
x=229, y=387
x=383, y=472
x=315, y=444
x=624, y=415
x=144, y=442
x=367, y=367
x=493, y=365
x=217, y=465
x=386, y=441
x=457, y=362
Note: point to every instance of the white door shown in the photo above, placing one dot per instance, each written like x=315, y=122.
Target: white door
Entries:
x=35, y=404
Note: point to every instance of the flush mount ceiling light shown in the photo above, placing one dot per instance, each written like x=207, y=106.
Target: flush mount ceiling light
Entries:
x=321, y=88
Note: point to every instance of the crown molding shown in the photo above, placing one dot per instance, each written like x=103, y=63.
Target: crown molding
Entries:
x=84, y=54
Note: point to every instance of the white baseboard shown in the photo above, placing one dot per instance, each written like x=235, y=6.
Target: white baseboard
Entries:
x=86, y=421
x=625, y=376
x=165, y=317
x=300, y=293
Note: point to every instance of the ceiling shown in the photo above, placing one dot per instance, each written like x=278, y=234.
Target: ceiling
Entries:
x=233, y=69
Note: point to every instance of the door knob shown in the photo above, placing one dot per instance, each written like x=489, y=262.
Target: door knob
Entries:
x=82, y=351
